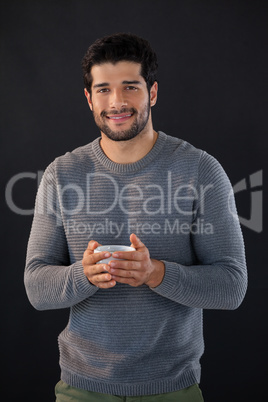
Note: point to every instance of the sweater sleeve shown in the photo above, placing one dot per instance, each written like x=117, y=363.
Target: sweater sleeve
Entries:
x=51, y=282
x=219, y=278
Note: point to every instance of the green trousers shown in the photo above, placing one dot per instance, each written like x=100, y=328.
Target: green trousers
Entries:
x=66, y=393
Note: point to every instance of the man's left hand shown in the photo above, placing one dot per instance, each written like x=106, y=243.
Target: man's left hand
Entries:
x=136, y=267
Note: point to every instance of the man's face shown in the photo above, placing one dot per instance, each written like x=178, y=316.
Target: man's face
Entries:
x=119, y=99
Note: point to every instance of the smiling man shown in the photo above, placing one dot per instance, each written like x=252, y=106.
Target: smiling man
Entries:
x=135, y=327
x=121, y=105
x=127, y=121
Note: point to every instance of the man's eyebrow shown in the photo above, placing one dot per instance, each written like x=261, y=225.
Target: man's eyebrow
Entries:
x=132, y=82
x=101, y=84
x=125, y=82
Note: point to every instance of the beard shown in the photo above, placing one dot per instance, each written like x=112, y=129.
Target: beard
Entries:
x=139, y=123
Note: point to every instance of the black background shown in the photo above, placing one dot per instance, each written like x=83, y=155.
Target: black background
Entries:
x=212, y=93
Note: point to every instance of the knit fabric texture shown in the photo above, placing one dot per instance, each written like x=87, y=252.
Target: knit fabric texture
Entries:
x=178, y=200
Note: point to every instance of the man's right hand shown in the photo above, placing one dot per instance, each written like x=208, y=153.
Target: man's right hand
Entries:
x=93, y=271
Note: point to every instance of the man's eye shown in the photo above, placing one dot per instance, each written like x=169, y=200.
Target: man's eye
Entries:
x=102, y=90
x=131, y=88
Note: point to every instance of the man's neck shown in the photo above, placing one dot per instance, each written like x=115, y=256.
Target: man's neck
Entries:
x=129, y=151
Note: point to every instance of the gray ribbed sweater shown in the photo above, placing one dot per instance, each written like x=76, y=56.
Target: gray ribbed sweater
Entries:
x=178, y=200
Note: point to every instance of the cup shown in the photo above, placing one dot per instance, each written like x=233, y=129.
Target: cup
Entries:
x=111, y=249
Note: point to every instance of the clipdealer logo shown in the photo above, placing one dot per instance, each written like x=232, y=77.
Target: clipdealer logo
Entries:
x=255, y=222
x=254, y=191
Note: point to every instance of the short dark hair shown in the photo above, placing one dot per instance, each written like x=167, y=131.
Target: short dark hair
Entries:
x=121, y=47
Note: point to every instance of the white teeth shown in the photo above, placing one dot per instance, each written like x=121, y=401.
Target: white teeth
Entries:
x=121, y=117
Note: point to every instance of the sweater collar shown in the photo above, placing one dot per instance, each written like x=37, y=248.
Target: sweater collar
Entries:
x=129, y=167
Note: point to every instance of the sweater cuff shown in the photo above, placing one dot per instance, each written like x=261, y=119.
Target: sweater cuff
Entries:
x=83, y=285
x=171, y=282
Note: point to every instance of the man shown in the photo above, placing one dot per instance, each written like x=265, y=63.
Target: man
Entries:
x=135, y=327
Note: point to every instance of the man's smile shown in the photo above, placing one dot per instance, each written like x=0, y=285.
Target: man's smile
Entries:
x=120, y=117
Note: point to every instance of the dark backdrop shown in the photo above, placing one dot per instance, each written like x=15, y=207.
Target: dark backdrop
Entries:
x=212, y=93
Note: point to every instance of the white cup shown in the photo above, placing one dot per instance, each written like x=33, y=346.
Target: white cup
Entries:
x=111, y=249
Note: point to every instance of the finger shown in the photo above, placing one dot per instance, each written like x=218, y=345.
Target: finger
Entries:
x=121, y=273
x=91, y=247
x=105, y=285
x=135, y=241
x=129, y=281
x=96, y=257
x=103, y=281
x=97, y=269
x=124, y=265
x=127, y=255
x=103, y=277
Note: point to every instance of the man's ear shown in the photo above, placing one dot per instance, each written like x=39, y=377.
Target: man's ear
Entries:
x=153, y=93
x=89, y=101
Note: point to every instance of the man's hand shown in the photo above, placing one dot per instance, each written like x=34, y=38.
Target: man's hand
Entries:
x=136, y=268
x=93, y=271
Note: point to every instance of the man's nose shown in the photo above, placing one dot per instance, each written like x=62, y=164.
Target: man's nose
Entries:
x=117, y=99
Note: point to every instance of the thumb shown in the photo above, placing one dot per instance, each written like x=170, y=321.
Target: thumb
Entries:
x=91, y=247
x=135, y=241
